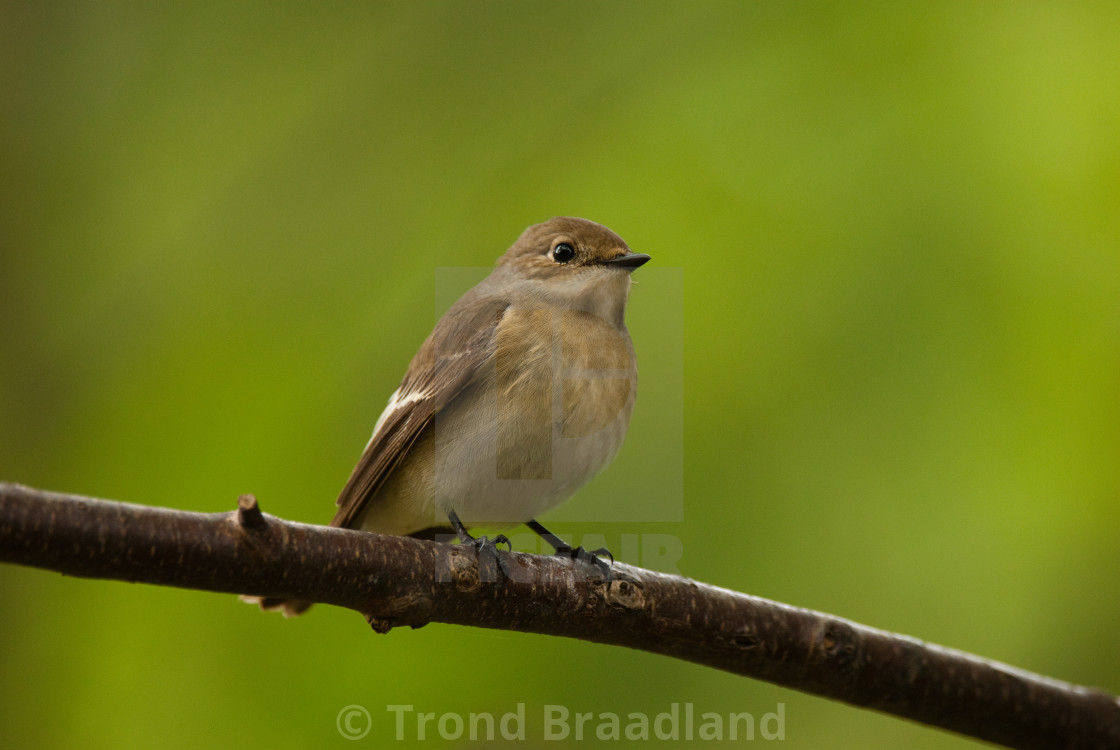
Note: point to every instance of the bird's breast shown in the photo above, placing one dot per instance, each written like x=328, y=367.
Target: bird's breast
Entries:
x=547, y=413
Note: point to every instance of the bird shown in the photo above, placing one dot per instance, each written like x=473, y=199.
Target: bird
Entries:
x=521, y=394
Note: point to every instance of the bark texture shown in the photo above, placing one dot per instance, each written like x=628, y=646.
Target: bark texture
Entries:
x=397, y=581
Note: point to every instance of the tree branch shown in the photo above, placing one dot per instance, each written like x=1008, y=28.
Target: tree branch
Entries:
x=401, y=581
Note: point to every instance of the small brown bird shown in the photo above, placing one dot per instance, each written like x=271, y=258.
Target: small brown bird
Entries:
x=521, y=394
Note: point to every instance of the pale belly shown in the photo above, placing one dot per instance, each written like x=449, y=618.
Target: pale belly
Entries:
x=534, y=427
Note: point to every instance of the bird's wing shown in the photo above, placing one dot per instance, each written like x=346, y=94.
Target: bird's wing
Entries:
x=460, y=343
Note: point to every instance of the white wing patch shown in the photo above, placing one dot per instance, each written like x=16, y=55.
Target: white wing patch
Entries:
x=395, y=403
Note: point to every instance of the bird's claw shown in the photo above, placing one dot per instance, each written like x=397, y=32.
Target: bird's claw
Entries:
x=488, y=548
x=591, y=557
x=485, y=546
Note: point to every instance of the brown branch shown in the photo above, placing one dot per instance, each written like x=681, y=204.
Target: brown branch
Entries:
x=401, y=581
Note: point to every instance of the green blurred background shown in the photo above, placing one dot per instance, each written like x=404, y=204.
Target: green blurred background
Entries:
x=888, y=235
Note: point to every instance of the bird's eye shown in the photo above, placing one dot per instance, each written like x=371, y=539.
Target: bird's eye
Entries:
x=563, y=252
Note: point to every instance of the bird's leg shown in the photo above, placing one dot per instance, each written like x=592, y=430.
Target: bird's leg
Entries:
x=484, y=544
x=592, y=557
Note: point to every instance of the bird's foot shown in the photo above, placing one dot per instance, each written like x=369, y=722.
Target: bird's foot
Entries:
x=488, y=550
x=563, y=549
x=591, y=557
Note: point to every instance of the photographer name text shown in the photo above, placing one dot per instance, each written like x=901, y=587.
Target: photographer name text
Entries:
x=681, y=721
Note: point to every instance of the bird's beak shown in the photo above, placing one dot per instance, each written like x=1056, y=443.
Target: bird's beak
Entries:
x=630, y=260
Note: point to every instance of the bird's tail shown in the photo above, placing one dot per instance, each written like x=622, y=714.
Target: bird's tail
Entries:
x=290, y=607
